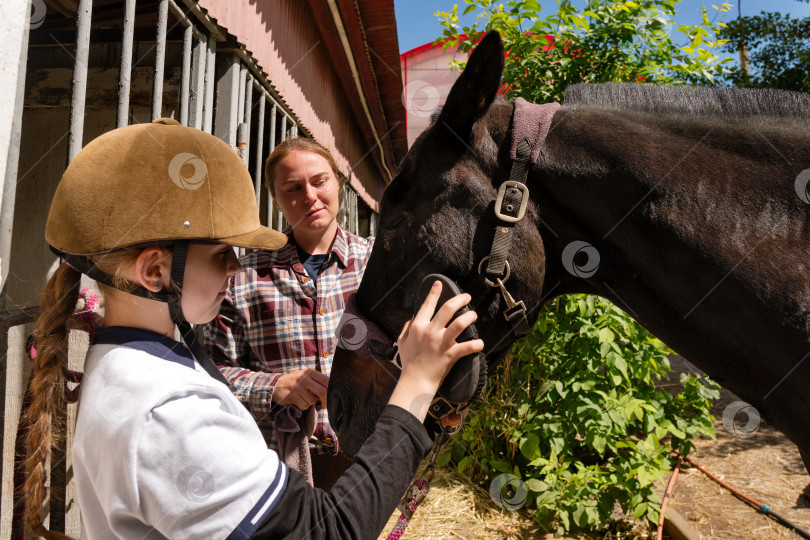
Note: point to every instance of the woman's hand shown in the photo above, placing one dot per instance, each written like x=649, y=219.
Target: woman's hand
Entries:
x=301, y=388
x=428, y=349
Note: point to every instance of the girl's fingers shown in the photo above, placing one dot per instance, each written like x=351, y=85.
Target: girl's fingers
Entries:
x=425, y=312
x=461, y=323
x=450, y=308
x=404, y=332
x=460, y=350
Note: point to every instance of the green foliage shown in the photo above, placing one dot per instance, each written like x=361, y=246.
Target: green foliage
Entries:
x=607, y=40
x=574, y=412
x=778, y=51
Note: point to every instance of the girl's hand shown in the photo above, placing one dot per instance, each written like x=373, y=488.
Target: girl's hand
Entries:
x=428, y=349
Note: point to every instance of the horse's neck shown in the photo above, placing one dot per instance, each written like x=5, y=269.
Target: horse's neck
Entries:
x=699, y=232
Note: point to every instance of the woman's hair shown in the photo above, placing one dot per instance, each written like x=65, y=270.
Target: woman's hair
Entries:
x=297, y=144
x=47, y=386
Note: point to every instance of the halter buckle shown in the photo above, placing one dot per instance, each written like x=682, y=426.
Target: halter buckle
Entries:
x=524, y=201
x=440, y=407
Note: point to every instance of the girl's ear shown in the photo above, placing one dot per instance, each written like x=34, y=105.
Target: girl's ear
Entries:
x=152, y=270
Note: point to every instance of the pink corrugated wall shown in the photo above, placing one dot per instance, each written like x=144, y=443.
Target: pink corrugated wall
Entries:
x=283, y=38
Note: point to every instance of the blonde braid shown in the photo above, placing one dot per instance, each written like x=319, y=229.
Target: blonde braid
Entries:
x=47, y=387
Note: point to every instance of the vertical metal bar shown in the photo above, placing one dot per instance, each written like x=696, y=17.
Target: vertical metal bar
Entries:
x=240, y=107
x=257, y=175
x=185, y=78
x=160, y=60
x=272, y=146
x=197, y=97
x=76, y=134
x=248, y=111
x=210, y=75
x=76, y=130
x=125, y=73
x=228, y=92
x=283, y=138
x=19, y=20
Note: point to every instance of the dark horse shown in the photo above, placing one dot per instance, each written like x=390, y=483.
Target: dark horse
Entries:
x=694, y=201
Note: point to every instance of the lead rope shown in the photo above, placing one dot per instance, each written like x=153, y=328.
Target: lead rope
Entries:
x=420, y=487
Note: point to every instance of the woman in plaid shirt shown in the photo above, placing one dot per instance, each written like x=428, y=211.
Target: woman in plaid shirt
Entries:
x=275, y=334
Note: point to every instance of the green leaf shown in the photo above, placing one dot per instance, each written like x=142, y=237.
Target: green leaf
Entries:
x=599, y=443
x=444, y=458
x=469, y=9
x=530, y=446
x=532, y=5
x=606, y=336
x=538, y=486
x=464, y=463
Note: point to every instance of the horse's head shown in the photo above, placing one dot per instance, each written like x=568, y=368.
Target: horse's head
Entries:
x=437, y=216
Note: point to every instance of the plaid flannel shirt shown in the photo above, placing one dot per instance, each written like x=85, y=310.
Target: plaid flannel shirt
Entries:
x=274, y=321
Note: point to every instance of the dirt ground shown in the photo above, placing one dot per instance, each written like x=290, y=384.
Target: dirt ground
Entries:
x=765, y=466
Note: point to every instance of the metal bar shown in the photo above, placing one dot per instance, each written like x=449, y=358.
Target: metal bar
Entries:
x=257, y=175
x=240, y=107
x=18, y=316
x=180, y=15
x=185, y=78
x=228, y=92
x=18, y=19
x=248, y=114
x=272, y=146
x=242, y=141
x=199, y=60
x=76, y=130
x=283, y=138
x=160, y=60
x=125, y=72
x=58, y=476
x=210, y=74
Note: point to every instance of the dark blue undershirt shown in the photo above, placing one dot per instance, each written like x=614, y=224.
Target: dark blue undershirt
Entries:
x=312, y=263
x=147, y=341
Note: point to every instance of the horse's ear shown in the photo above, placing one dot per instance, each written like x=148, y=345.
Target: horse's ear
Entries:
x=476, y=87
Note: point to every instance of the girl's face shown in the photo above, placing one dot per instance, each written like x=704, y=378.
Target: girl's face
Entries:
x=307, y=193
x=208, y=267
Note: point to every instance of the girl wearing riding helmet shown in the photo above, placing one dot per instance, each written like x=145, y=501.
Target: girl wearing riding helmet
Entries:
x=276, y=332
x=162, y=448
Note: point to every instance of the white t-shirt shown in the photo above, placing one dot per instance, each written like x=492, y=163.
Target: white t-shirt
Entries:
x=162, y=450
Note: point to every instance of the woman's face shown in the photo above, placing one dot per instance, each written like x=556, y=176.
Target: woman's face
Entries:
x=208, y=267
x=307, y=193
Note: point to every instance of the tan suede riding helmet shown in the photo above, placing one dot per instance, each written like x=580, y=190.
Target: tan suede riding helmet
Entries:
x=155, y=182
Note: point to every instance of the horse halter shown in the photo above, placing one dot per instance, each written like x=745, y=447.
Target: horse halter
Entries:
x=464, y=383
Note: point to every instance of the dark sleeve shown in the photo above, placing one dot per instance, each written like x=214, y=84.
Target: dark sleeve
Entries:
x=362, y=500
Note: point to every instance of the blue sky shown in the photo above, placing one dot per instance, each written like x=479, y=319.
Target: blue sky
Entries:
x=416, y=24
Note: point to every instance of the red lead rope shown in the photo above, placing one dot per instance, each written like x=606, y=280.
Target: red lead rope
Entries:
x=419, y=488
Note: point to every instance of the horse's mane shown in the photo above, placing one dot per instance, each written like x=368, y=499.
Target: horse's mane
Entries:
x=729, y=103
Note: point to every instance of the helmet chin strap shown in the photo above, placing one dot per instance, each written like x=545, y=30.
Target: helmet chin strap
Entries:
x=176, y=312
x=172, y=297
